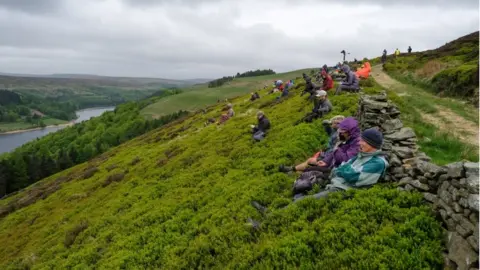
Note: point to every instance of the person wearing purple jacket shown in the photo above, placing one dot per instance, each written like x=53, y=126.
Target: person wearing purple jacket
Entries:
x=347, y=146
x=351, y=83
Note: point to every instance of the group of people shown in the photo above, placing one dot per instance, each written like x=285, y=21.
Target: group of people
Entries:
x=397, y=53
x=319, y=94
x=352, y=159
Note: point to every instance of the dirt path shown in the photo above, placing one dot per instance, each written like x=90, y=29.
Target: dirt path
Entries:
x=444, y=119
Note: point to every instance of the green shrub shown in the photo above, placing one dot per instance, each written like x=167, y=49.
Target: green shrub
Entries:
x=461, y=81
x=369, y=82
x=72, y=234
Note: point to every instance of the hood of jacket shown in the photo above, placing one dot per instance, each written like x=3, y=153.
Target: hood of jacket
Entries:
x=350, y=124
x=345, y=68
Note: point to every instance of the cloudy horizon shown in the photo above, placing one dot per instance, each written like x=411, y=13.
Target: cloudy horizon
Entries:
x=185, y=39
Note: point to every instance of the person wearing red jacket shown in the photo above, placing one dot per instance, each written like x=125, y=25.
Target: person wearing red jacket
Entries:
x=327, y=81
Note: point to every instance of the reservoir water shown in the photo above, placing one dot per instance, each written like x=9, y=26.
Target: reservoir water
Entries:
x=8, y=142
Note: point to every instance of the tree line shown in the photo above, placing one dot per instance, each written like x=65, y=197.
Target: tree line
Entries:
x=15, y=108
x=77, y=144
x=250, y=73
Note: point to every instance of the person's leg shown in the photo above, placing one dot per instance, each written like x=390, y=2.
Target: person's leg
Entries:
x=339, y=89
x=322, y=194
x=258, y=136
x=302, y=166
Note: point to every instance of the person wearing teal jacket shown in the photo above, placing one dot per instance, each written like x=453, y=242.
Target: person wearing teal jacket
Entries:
x=363, y=170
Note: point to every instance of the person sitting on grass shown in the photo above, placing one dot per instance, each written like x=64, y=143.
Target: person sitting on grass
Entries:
x=331, y=127
x=310, y=88
x=327, y=81
x=346, y=147
x=230, y=113
x=259, y=131
x=321, y=105
x=254, y=96
x=351, y=82
x=363, y=170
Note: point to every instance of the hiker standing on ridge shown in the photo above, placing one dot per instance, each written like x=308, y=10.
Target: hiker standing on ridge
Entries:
x=409, y=49
x=344, y=53
x=384, y=56
x=397, y=53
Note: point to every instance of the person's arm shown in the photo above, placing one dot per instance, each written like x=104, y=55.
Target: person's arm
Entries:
x=327, y=106
x=328, y=159
x=346, y=154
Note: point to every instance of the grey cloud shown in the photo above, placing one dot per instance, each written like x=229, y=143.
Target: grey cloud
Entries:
x=31, y=6
x=200, y=46
x=385, y=3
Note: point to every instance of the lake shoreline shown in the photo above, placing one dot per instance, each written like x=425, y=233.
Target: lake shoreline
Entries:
x=37, y=128
x=70, y=123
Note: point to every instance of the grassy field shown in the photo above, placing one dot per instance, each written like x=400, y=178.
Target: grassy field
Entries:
x=6, y=127
x=179, y=198
x=200, y=96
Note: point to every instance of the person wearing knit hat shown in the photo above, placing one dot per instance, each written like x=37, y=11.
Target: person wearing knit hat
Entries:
x=372, y=140
x=363, y=170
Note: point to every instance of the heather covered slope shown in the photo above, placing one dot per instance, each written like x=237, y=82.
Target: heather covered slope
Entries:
x=179, y=197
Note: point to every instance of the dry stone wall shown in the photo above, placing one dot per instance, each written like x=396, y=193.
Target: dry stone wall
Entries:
x=452, y=190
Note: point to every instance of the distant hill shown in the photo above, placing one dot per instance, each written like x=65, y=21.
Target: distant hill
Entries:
x=201, y=95
x=98, y=78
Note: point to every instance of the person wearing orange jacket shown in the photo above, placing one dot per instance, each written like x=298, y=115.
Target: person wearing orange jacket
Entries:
x=364, y=72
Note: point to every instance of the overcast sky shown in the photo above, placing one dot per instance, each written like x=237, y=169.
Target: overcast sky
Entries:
x=211, y=38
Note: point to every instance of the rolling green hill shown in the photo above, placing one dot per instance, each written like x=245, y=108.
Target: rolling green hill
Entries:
x=179, y=198
x=198, y=96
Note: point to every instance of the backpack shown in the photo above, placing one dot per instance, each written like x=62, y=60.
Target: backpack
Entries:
x=305, y=181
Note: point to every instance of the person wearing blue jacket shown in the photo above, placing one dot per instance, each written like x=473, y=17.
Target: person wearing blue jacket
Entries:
x=351, y=83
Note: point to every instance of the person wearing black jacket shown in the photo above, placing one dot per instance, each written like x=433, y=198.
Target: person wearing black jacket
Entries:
x=259, y=131
x=310, y=88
